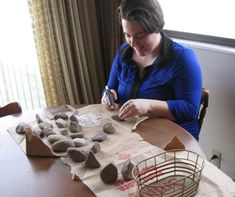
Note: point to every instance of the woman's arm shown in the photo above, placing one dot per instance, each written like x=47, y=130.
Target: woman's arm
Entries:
x=149, y=107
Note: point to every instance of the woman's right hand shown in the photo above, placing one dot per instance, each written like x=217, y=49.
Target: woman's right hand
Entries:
x=105, y=100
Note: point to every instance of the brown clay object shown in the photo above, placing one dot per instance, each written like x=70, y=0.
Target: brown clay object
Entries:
x=36, y=147
x=175, y=143
x=91, y=161
x=75, y=154
x=126, y=170
x=109, y=174
x=62, y=145
x=108, y=128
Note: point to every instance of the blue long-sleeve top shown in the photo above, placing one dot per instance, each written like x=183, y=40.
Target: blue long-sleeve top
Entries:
x=175, y=77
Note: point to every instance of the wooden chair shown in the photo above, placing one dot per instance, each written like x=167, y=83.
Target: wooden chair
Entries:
x=10, y=109
x=203, y=108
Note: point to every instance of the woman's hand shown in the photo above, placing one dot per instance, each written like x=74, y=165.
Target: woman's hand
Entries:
x=134, y=107
x=105, y=100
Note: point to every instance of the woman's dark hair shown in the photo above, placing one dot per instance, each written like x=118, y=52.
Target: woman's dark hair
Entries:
x=147, y=12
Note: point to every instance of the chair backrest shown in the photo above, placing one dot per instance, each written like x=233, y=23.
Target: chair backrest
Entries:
x=10, y=109
x=203, y=108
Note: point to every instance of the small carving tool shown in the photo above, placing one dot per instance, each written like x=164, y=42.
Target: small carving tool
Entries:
x=109, y=96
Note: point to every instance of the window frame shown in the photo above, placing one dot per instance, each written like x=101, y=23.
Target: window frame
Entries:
x=201, y=38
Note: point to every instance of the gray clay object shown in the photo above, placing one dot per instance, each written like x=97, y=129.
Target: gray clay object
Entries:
x=54, y=138
x=78, y=142
x=21, y=127
x=75, y=127
x=76, y=155
x=74, y=117
x=116, y=117
x=61, y=115
x=96, y=148
x=99, y=137
x=38, y=132
x=64, y=131
x=61, y=123
x=62, y=145
x=38, y=119
x=108, y=128
x=76, y=135
x=127, y=170
x=43, y=125
x=48, y=131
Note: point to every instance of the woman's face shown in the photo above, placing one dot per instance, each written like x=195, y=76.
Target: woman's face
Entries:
x=143, y=43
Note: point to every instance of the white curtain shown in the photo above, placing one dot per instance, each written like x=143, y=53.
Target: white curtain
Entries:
x=20, y=78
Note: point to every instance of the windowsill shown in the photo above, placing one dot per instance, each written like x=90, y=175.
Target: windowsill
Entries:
x=207, y=46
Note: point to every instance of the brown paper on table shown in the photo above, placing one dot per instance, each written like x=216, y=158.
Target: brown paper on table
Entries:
x=131, y=147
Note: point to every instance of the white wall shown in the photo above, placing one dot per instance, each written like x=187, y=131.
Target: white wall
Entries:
x=218, y=130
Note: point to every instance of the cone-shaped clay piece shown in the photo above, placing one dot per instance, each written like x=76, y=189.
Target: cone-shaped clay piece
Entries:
x=36, y=147
x=175, y=143
x=96, y=148
x=38, y=119
x=109, y=174
x=74, y=117
x=91, y=161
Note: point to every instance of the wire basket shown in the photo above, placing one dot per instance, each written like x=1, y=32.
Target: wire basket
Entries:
x=172, y=173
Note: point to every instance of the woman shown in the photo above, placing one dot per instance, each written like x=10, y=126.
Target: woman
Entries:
x=151, y=74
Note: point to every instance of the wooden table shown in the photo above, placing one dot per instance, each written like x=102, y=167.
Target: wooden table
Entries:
x=36, y=176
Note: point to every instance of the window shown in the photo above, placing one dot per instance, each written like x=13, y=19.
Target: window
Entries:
x=200, y=20
x=20, y=78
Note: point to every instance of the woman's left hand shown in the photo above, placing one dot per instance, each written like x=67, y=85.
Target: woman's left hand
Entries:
x=134, y=107
x=105, y=101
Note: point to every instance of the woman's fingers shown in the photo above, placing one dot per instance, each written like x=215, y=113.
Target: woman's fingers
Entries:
x=114, y=93
x=134, y=107
x=127, y=110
